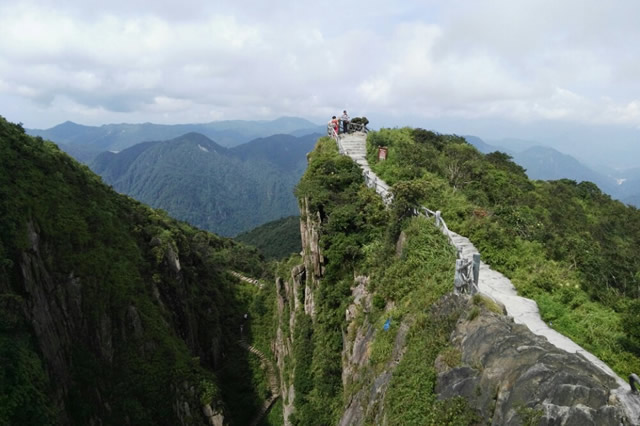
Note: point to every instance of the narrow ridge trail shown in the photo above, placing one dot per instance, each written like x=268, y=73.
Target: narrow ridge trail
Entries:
x=498, y=287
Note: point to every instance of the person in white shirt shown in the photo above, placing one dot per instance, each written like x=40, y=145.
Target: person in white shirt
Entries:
x=345, y=121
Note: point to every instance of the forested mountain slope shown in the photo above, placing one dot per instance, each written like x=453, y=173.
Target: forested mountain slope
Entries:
x=546, y=163
x=110, y=312
x=224, y=190
x=114, y=313
x=277, y=239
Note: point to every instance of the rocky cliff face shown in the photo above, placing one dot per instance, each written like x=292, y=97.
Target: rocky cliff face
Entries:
x=507, y=375
x=56, y=306
x=295, y=294
x=313, y=259
x=110, y=312
x=366, y=403
x=288, y=301
x=511, y=376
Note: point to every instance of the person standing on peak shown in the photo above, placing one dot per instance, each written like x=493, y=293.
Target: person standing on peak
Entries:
x=345, y=121
x=335, y=124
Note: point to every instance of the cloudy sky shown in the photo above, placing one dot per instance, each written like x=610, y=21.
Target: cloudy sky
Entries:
x=497, y=68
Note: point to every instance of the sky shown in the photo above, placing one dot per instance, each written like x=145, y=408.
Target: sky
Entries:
x=564, y=73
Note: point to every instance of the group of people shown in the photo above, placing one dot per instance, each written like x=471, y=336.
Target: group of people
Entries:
x=335, y=123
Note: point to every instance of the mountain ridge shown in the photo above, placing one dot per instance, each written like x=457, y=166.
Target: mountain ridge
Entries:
x=547, y=163
x=225, y=190
x=116, y=137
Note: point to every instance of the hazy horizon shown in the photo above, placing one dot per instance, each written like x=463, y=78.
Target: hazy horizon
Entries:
x=563, y=74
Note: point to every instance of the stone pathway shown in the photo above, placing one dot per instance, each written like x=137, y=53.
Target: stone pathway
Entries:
x=498, y=287
x=273, y=381
x=247, y=279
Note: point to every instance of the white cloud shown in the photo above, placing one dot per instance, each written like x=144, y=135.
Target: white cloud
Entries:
x=132, y=60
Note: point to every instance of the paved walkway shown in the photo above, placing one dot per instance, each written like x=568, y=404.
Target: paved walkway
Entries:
x=498, y=287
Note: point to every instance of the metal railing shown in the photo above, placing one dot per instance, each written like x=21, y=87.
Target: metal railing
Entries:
x=356, y=127
x=378, y=185
x=439, y=221
x=467, y=271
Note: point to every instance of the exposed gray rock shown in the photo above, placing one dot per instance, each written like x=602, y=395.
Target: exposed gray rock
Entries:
x=56, y=305
x=313, y=258
x=213, y=418
x=288, y=295
x=402, y=241
x=52, y=327
x=171, y=256
x=367, y=402
x=511, y=376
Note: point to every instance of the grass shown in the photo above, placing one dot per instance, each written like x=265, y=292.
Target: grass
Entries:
x=487, y=303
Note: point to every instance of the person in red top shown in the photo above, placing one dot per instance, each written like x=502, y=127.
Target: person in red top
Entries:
x=335, y=123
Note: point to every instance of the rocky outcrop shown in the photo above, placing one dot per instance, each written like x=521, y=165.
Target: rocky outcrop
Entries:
x=511, y=376
x=55, y=312
x=288, y=298
x=213, y=418
x=62, y=321
x=356, y=371
x=312, y=255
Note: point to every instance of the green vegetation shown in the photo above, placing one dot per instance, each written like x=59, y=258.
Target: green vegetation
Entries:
x=140, y=335
x=97, y=319
x=222, y=190
x=358, y=236
x=244, y=381
x=275, y=240
x=415, y=281
x=566, y=245
x=481, y=300
x=352, y=217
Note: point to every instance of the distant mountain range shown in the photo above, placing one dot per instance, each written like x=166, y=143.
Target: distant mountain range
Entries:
x=546, y=163
x=85, y=142
x=224, y=190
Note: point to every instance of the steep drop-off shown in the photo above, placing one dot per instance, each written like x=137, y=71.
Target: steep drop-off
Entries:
x=110, y=312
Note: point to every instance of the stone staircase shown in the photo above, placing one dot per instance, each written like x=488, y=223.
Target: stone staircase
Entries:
x=252, y=281
x=273, y=382
x=354, y=146
x=498, y=287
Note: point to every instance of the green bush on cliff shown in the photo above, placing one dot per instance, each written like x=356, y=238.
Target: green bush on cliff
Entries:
x=352, y=217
